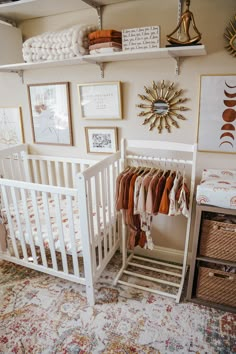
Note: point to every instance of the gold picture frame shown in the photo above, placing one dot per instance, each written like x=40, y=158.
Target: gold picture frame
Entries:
x=217, y=113
x=101, y=140
x=11, y=126
x=100, y=100
x=50, y=113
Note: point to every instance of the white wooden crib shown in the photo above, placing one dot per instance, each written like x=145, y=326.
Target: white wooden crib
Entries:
x=59, y=214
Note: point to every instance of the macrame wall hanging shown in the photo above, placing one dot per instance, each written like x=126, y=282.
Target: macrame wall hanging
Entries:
x=162, y=106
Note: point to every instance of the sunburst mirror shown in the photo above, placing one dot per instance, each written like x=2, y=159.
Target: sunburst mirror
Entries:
x=230, y=35
x=162, y=106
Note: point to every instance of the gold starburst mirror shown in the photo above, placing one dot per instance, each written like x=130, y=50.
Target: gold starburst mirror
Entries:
x=162, y=106
x=230, y=35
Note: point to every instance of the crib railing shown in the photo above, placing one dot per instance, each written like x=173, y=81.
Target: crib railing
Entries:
x=55, y=171
x=39, y=202
x=97, y=189
x=11, y=164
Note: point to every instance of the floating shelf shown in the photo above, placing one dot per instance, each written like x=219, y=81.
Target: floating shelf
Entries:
x=159, y=53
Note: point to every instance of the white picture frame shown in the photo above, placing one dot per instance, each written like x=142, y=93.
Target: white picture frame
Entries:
x=102, y=140
x=217, y=113
x=11, y=128
x=50, y=113
x=100, y=100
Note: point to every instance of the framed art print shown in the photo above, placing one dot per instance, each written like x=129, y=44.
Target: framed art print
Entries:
x=100, y=100
x=101, y=139
x=11, y=131
x=217, y=114
x=50, y=113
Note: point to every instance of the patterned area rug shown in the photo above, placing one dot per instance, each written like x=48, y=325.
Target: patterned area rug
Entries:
x=44, y=314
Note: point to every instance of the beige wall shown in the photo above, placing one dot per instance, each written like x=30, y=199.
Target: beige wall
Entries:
x=211, y=18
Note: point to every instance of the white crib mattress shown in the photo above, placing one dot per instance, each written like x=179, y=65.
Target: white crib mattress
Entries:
x=53, y=222
x=218, y=188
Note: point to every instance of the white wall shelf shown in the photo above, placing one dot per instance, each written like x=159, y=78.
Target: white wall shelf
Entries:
x=159, y=53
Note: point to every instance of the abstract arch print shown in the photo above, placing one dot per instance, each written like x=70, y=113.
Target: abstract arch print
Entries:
x=217, y=114
x=229, y=117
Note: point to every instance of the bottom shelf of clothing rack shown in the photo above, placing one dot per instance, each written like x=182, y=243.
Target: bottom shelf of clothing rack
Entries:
x=166, y=276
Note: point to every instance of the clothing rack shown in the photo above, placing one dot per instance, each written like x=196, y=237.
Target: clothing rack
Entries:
x=133, y=260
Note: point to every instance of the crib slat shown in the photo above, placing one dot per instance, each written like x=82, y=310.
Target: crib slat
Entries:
x=49, y=230
x=65, y=174
x=117, y=170
x=72, y=234
x=98, y=218
x=20, y=167
x=3, y=172
x=28, y=225
x=38, y=226
x=36, y=178
x=9, y=219
x=43, y=172
x=50, y=173
x=104, y=185
x=73, y=167
x=109, y=196
x=91, y=222
x=19, y=222
x=11, y=162
x=58, y=174
x=113, y=211
x=61, y=232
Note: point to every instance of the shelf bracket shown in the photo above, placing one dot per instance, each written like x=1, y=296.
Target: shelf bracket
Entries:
x=101, y=65
x=177, y=63
x=96, y=6
x=20, y=73
x=99, y=12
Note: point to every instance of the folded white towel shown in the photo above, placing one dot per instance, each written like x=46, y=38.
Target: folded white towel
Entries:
x=105, y=50
x=71, y=42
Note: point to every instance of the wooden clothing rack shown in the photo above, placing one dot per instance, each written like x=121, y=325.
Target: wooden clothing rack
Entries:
x=157, y=148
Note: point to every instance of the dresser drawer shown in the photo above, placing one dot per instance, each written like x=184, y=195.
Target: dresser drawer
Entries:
x=218, y=240
x=216, y=286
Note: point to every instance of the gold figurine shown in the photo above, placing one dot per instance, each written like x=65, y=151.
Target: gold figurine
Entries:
x=183, y=29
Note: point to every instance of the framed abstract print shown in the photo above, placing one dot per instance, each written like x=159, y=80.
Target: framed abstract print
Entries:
x=217, y=113
x=50, y=113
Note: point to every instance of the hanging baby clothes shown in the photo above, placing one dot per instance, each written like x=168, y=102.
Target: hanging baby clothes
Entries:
x=142, y=193
x=159, y=190
x=173, y=208
x=183, y=196
x=145, y=218
x=165, y=202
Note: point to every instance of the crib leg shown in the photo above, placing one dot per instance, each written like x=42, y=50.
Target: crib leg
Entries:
x=90, y=295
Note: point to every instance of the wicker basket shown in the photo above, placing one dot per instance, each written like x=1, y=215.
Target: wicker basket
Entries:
x=216, y=286
x=218, y=240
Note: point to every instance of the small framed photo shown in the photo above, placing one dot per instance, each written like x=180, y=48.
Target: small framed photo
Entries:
x=101, y=139
x=100, y=100
x=11, y=129
x=217, y=114
x=50, y=113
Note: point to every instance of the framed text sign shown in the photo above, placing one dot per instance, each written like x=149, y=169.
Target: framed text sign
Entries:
x=141, y=38
x=100, y=100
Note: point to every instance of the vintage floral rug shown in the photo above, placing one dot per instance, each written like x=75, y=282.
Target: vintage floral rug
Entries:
x=44, y=314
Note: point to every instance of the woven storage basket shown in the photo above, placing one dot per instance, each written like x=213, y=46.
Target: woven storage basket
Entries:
x=216, y=286
x=218, y=240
